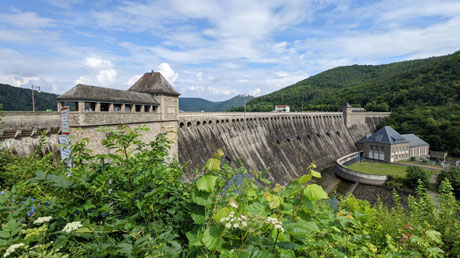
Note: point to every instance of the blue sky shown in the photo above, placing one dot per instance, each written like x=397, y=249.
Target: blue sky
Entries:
x=213, y=49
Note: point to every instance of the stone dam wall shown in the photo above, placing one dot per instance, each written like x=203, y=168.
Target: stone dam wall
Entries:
x=284, y=143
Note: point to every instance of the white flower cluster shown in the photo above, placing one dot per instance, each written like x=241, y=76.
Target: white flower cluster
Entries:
x=42, y=220
x=276, y=223
x=12, y=248
x=72, y=226
x=233, y=222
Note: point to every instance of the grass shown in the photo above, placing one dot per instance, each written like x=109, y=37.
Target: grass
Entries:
x=379, y=169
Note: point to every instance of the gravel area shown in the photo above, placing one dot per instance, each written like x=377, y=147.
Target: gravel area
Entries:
x=372, y=193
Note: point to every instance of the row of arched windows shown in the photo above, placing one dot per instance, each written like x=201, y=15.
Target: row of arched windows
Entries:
x=237, y=120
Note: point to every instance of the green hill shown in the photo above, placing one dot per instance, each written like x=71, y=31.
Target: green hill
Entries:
x=199, y=104
x=423, y=95
x=20, y=99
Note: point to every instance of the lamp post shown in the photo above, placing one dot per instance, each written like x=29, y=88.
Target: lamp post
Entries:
x=33, y=97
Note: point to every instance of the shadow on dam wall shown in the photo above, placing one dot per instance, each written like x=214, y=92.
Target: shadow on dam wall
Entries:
x=283, y=145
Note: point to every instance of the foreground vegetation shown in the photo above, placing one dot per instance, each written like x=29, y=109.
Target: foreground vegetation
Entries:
x=423, y=96
x=132, y=203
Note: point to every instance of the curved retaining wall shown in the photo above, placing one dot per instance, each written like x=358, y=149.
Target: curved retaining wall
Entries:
x=354, y=176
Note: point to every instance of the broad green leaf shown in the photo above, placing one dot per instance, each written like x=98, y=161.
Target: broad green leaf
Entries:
x=315, y=173
x=286, y=253
x=305, y=178
x=202, y=198
x=198, y=215
x=436, y=251
x=273, y=200
x=256, y=208
x=193, y=239
x=434, y=235
x=125, y=248
x=206, y=183
x=221, y=213
x=219, y=154
x=302, y=228
x=211, y=237
x=315, y=192
x=212, y=164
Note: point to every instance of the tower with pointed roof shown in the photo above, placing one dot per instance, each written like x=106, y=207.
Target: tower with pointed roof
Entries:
x=155, y=84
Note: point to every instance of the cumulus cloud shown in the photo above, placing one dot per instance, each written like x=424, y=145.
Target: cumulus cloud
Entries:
x=255, y=92
x=17, y=81
x=102, y=72
x=166, y=70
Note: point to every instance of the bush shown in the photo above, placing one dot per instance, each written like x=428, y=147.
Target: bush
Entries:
x=414, y=174
x=454, y=178
x=132, y=203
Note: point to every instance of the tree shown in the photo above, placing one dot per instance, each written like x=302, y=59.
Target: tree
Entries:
x=414, y=174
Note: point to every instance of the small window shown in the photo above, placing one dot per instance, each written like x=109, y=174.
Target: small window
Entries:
x=128, y=107
x=138, y=108
x=154, y=108
x=147, y=108
x=117, y=107
x=105, y=107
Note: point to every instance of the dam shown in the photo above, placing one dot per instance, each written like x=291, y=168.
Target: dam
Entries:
x=281, y=144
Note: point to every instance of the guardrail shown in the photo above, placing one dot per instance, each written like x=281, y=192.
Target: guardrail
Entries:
x=355, y=176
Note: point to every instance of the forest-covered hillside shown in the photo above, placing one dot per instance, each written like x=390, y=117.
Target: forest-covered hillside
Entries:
x=423, y=95
x=20, y=99
x=199, y=104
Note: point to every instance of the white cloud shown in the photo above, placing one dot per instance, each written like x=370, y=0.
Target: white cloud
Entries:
x=199, y=76
x=255, y=92
x=17, y=81
x=101, y=73
x=220, y=91
x=26, y=20
x=133, y=79
x=166, y=70
x=98, y=63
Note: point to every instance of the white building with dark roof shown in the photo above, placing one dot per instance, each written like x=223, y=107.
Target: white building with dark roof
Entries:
x=388, y=145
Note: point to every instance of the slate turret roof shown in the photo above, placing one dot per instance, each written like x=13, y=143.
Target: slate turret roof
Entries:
x=385, y=135
x=101, y=94
x=414, y=141
x=153, y=83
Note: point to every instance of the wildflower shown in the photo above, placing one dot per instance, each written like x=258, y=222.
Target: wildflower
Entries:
x=244, y=224
x=42, y=220
x=223, y=220
x=228, y=225
x=12, y=248
x=278, y=226
x=72, y=226
x=236, y=225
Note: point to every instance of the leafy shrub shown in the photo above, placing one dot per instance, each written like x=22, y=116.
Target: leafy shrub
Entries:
x=453, y=175
x=132, y=203
x=414, y=174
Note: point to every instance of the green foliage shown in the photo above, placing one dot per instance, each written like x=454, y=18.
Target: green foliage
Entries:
x=20, y=99
x=416, y=175
x=132, y=203
x=199, y=104
x=453, y=175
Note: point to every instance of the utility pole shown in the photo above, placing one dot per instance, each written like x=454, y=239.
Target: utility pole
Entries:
x=33, y=97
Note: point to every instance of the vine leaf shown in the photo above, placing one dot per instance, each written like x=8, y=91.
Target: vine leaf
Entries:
x=212, y=165
x=315, y=192
x=206, y=183
x=315, y=173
